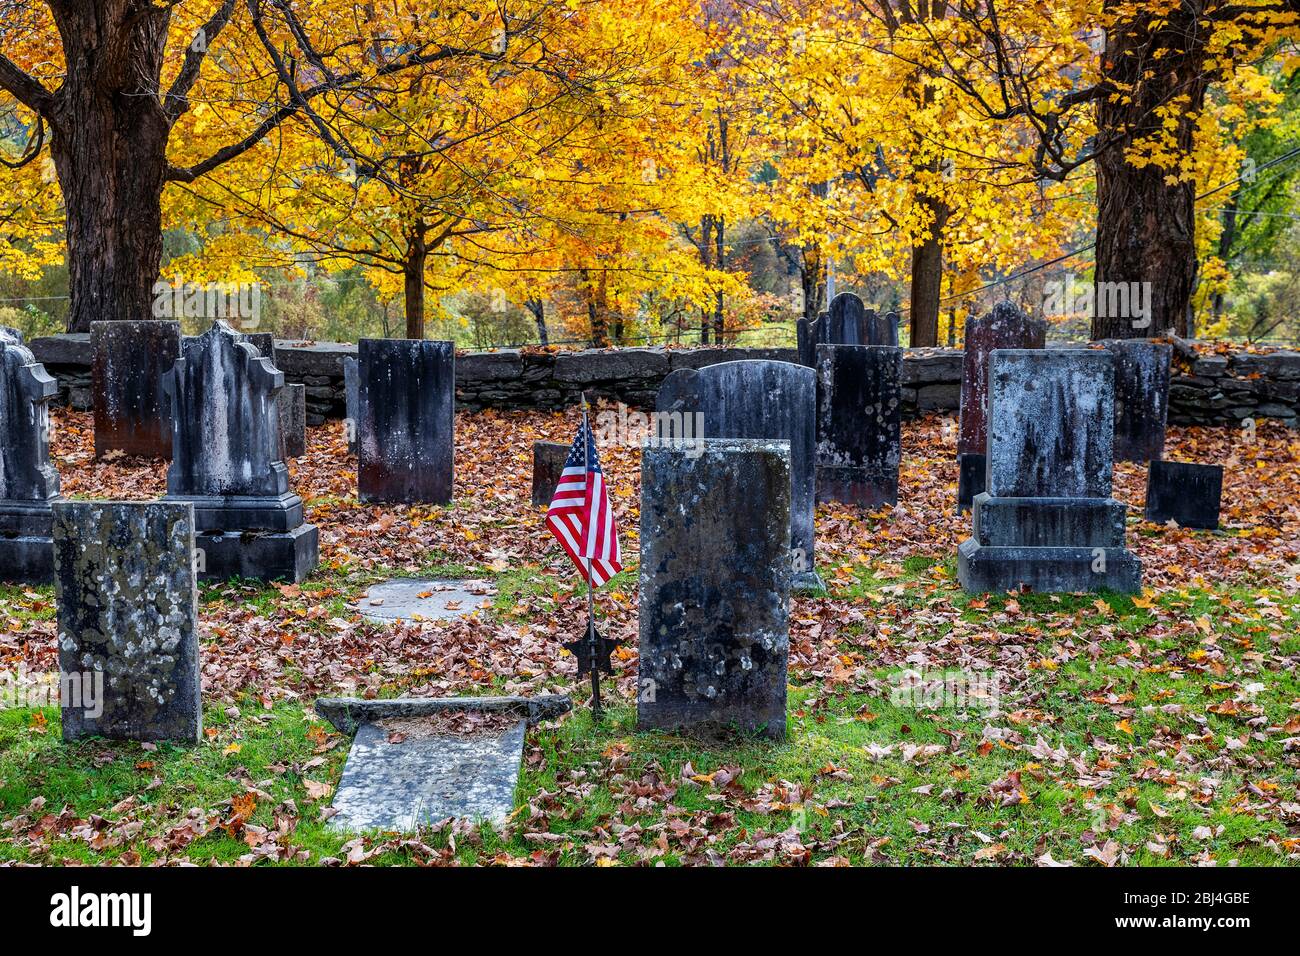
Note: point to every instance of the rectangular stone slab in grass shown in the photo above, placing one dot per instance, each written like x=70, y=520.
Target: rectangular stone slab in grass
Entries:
x=405, y=420
x=859, y=424
x=127, y=619
x=1142, y=371
x=548, y=464
x=715, y=588
x=128, y=361
x=1187, y=494
x=29, y=483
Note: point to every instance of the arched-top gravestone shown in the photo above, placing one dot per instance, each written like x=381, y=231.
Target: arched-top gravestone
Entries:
x=767, y=400
x=846, y=322
x=1006, y=327
x=226, y=459
x=28, y=481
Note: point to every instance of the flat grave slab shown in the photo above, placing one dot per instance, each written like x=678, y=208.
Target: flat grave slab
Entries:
x=422, y=599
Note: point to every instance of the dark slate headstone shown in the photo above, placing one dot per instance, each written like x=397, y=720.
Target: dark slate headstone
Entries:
x=859, y=424
x=1006, y=327
x=128, y=614
x=972, y=469
x=1051, y=432
x=226, y=460
x=1142, y=372
x=548, y=465
x=128, y=361
x=715, y=587
x=762, y=400
x=292, y=407
x=28, y=480
x=846, y=322
x=1047, y=521
x=351, y=401
x=406, y=412
x=1188, y=494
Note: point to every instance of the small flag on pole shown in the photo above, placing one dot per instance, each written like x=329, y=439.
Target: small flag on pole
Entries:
x=580, y=515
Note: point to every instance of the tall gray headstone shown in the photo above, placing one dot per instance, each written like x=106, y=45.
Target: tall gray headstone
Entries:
x=1142, y=371
x=1047, y=521
x=859, y=423
x=128, y=615
x=763, y=400
x=128, y=361
x=351, y=387
x=1006, y=327
x=226, y=460
x=715, y=587
x=406, y=414
x=28, y=481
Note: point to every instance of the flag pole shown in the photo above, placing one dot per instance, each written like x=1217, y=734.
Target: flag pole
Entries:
x=591, y=609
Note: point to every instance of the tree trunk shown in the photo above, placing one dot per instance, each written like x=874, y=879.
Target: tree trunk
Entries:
x=719, y=263
x=927, y=277
x=109, y=145
x=812, y=279
x=1145, y=226
x=538, y=308
x=417, y=254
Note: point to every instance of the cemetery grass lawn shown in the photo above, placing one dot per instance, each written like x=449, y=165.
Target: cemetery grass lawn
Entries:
x=1139, y=746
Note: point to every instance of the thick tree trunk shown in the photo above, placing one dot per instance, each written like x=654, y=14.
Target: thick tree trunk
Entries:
x=109, y=147
x=417, y=254
x=812, y=279
x=1146, y=240
x=927, y=278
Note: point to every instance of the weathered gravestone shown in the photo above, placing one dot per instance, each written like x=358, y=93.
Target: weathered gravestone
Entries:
x=548, y=464
x=128, y=616
x=226, y=460
x=292, y=409
x=418, y=761
x=351, y=387
x=859, y=424
x=762, y=400
x=845, y=322
x=1006, y=327
x=28, y=481
x=971, y=470
x=1142, y=372
x=1187, y=494
x=406, y=409
x=1047, y=521
x=422, y=599
x=715, y=587
x=128, y=361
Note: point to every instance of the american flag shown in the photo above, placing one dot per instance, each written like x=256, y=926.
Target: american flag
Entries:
x=580, y=516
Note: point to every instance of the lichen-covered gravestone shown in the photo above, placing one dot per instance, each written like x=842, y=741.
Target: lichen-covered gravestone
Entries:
x=859, y=423
x=406, y=408
x=846, y=322
x=1142, y=371
x=1006, y=327
x=128, y=361
x=28, y=481
x=127, y=618
x=764, y=400
x=351, y=387
x=715, y=587
x=548, y=464
x=226, y=460
x=1047, y=521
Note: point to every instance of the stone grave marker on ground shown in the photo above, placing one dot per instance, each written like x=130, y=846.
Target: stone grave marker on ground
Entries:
x=1048, y=521
x=420, y=599
x=859, y=424
x=128, y=361
x=1185, y=493
x=1142, y=372
x=417, y=761
x=761, y=400
x=29, y=483
x=1006, y=327
x=845, y=322
x=715, y=587
x=405, y=420
x=127, y=619
x=226, y=461
x=351, y=401
x=548, y=464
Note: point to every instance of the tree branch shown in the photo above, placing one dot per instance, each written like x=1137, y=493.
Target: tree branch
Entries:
x=27, y=89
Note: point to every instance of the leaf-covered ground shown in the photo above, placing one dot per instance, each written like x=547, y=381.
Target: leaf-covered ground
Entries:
x=1163, y=728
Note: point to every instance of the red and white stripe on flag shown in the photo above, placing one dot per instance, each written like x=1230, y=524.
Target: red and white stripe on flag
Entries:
x=580, y=515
